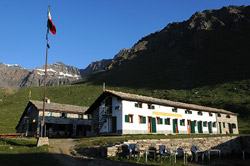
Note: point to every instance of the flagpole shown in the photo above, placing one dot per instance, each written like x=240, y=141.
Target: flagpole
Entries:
x=45, y=79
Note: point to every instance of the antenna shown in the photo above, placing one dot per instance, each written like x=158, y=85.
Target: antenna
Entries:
x=103, y=87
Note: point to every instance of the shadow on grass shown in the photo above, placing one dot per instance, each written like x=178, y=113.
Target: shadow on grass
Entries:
x=52, y=159
x=18, y=143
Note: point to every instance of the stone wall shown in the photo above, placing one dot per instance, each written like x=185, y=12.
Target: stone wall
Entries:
x=227, y=144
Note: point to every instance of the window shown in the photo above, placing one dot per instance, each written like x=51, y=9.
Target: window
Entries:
x=228, y=116
x=199, y=113
x=182, y=122
x=167, y=121
x=142, y=119
x=210, y=114
x=150, y=106
x=138, y=104
x=174, y=109
x=49, y=113
x=63, y=115
x=159, y=120
x=224, y=125
x=188, y=112
x=89, y=116
x=80, y=116
x=214, y=124
x=219, y=115
x=234, y=125
x=205, y=124
x=129, y=118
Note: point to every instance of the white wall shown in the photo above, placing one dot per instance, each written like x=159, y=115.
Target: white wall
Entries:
x=107, y=127
x=128, y=107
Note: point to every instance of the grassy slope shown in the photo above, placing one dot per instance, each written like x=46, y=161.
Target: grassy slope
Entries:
x=234, y=96
x=24, y=152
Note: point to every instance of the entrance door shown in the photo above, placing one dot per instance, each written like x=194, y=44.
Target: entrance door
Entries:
x=230, y=128
x=149, y=125
x=192, y=126
x=113, y=124
x=209, y=127
x=175, y=126
x=189, y=126
x=220, y=127
x=200, y=126
x=153, y=125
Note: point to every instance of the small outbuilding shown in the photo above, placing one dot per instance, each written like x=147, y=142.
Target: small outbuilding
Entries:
x=61, y=120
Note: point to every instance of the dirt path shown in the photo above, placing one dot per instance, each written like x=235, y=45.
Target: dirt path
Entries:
x=60, y=148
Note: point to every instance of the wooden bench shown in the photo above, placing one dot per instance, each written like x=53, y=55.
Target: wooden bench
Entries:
x=12, y=135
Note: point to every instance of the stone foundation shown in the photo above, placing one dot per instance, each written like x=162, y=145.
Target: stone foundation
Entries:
x=227, y=144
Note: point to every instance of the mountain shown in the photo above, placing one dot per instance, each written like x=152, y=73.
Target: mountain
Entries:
x=209, y=48
x=16, y=77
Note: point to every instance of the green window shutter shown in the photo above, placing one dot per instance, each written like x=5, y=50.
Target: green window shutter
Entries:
x=153, y=125
x=181, y=122
x=90, y=116
x=153, y=107
x=160, y=120
x=204, y=124
x=214, y=124
x=79, y=116
x=136, y=104
x=126, y=118
x=173, y=110
x=186, y=111
x=65, y=115
x=144, y=119
x=224, y=125
x=166, y=121
x=190, y=112
x=220, y=127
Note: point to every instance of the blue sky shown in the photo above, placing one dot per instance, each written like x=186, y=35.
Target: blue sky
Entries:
x=87, y=30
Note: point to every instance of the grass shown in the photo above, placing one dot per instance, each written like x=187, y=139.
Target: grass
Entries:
x=232, y=96
x=24, y=152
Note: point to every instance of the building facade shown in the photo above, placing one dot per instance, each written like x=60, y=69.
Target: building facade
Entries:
x=122, y=113
x=61, y=120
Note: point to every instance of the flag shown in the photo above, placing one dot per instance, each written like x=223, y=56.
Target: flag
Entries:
x=50, y=25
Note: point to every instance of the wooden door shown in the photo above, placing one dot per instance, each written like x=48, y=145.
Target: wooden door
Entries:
x=149, y=125
x=193, y=126
x=220, y=127
x=175, y=126
x=114, y=124
x=189, y=126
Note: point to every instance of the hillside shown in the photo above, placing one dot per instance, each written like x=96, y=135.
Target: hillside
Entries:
x=233, y=96
x=211, y=47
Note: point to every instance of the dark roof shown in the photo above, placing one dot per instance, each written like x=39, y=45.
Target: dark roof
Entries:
x=151, y=100
x=55, y=107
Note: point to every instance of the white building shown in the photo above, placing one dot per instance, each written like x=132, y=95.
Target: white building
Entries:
x=123, y=113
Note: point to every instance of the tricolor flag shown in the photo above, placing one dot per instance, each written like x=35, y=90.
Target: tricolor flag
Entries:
x=50, y=25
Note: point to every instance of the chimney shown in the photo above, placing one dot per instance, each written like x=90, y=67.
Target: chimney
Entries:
x=47, y=100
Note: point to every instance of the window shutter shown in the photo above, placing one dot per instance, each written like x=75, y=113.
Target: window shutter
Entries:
x=219, y=115
x=160, y=120
x=144, y=119
x=90, y=116
x=136, y=104
x=166, y=121
x=214, y=124
x=190, y=112
x=204, y=124
x=65, y=115
x=153, y=107
x=173, y=110
x=186, y=111
x=79, y=116
x=224, y=124
x=126, y=118
x=181, y=122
